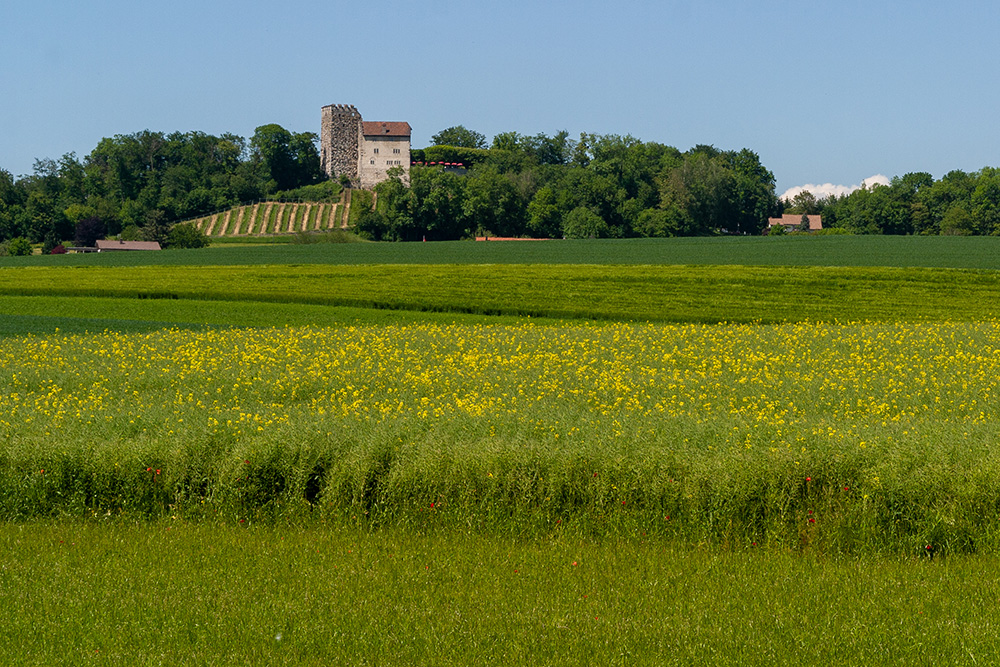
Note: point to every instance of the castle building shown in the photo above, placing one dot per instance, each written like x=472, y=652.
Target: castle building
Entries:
x=362, y=150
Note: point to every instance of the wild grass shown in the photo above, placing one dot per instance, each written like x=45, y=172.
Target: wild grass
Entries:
x=178, y=593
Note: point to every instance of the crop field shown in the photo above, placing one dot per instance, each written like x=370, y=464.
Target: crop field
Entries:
x=959, y=252
x=459, y=463
x=708, y=294
x=843, y=437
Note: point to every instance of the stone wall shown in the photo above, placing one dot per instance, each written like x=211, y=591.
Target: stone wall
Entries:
x=379, y=155
x=340, y=138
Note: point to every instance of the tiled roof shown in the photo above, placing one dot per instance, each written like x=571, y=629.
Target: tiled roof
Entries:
x=375, y=128
x=793, y=220
x=127, y=245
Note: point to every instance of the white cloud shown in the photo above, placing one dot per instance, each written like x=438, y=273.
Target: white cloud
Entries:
x=826, y=189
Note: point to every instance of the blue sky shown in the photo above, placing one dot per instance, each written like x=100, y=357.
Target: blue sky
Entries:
x=825, y=92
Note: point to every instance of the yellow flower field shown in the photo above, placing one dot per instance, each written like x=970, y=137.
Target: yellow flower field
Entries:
x=678, y=418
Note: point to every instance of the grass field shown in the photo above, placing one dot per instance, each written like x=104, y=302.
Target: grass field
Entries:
x=179, y=593
x=971, y=252
x=330, y=463
x=708, y=294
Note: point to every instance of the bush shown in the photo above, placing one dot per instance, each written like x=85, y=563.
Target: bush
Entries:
x=15, y=247
x=327, y=191
x=58, y=250
x=186, y=235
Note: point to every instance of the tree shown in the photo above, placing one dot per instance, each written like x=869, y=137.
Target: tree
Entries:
x=156, y=227
x=803, y=202
x=803, y=225
x=492, y=204
x=89, y=231
x=288, y=160
x=957, y=222
x=459, y=136
x=544, y=217
x=701, y=190
x=753, y=192
x=582, y=223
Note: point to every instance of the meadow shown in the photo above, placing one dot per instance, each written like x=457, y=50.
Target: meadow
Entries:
x=661, y=465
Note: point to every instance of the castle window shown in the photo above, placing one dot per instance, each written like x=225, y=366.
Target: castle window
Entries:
x=376, y=151
x=395, y=150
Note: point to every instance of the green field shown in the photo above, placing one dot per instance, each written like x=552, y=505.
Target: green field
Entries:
x=708, y=294
x=177, y=593
x=979, y=252
x=372, y=454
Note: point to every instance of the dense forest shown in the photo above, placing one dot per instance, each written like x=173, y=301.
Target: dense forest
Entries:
x=597, y=186
x=553, y=186
x=136, y=185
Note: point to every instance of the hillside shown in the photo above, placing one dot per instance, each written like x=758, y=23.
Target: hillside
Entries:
x=275, y=217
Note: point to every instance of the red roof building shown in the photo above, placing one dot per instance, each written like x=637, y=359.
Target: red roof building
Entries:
x=791, y=222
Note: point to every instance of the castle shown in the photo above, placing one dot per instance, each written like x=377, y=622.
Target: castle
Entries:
x=364, y=151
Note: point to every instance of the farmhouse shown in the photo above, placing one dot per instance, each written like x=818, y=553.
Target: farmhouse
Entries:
x=364, y=151
x=791, y=222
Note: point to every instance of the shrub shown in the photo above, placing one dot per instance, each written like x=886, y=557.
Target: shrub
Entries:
x=327, y=191
x=186, y=235
x=15, y=247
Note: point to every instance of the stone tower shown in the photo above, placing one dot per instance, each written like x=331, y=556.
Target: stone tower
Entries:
x=340, y=138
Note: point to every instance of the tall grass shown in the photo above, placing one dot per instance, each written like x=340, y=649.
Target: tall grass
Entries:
x=838, y=438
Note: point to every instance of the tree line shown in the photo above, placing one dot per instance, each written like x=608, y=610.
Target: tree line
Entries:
x=135, y=185
x=959, y=203
x=597, y=186
x=594, y=186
